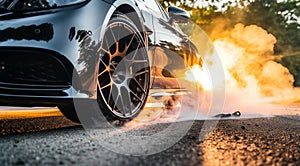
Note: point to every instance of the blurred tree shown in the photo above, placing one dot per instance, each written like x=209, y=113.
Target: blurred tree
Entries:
x=279, y=17
x=293, y=64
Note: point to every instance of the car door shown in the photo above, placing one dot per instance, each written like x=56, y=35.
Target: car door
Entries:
x=171, y=49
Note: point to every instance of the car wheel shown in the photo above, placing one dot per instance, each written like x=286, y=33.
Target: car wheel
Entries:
x=123, y=75
x=124, y=71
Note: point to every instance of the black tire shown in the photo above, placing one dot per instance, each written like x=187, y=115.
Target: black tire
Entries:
x=123, y=75
x=124, y=71
x=69, y=112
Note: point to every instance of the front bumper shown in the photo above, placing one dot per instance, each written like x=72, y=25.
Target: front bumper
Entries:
x=36, y=77
x=48, y=58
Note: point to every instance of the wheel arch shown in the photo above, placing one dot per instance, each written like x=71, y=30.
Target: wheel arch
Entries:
x=133, y=13
x=131, y=10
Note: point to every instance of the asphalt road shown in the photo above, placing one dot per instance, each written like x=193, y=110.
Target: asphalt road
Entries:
x=53, y=140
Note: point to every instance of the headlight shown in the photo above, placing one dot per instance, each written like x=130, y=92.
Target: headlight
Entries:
x=21, y=5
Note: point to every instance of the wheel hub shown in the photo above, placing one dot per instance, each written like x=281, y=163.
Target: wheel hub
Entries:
x=118, y=77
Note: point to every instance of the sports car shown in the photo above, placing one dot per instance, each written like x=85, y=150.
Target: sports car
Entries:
x=110, y=52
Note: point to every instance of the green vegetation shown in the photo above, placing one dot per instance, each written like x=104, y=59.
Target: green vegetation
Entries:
x=280, y=18
x=293, y=64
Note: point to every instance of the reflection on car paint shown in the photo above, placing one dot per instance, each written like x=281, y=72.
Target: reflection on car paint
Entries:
x=42, y=32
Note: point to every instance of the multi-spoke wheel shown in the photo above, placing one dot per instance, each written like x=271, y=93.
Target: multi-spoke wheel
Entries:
x=123, y=76
x=124, y=72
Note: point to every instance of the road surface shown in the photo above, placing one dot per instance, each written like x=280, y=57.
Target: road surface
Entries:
x=53, y=140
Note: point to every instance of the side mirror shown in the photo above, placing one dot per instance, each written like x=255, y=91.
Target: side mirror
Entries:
x=178, y=15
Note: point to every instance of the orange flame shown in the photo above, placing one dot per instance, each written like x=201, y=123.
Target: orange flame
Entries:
x=199, y=75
